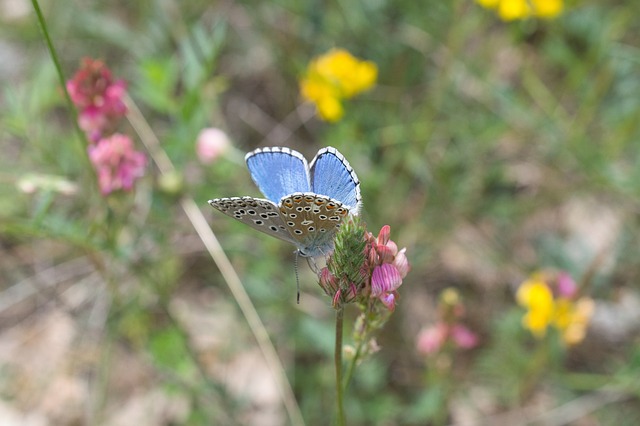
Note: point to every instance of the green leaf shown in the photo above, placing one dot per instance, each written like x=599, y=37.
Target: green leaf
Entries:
x=157, y=84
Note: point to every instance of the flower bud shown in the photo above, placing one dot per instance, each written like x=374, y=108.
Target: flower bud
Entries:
x=211, y=144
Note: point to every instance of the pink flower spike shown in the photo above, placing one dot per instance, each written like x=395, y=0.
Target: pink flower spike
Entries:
x=90, y=83
x=117, y=164
x=385, y=279
x=463, y=337
x=98, y=97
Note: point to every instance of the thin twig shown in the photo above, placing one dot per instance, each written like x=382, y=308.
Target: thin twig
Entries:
x=231, y=278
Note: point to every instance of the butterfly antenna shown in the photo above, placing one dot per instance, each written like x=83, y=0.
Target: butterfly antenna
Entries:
x=295, y=267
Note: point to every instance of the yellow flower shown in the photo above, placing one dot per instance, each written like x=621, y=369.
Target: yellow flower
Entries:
x=488, y=4
x=335, y=76
x=324, y=96
x=570, y=317
x=330, y=109
x=510, y=10
x=534, y=294
x=547, y=8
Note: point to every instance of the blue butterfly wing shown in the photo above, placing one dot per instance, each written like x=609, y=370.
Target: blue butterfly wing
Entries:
x=331, y=175
x=278, y=172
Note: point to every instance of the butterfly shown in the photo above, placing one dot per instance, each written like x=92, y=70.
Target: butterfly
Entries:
x=305, y=204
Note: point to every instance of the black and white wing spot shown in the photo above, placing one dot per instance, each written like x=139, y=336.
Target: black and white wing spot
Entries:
x=258, y=213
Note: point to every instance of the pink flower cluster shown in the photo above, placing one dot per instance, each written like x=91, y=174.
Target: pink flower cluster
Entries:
x=100, y=101
x=388, y=265
x=381, y=273
x=118, y=165
x=98, y=97
x=448, y=330
x=432, y=339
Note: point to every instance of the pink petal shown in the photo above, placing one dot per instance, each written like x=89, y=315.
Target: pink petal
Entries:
x=388, y=300
x=431, y=339
x=402, y=263
x=211, y=144
x=567, y=287
x=385, y=254
x=463, y=337
x=116, y=162
x=385, y=279
x=384, y=235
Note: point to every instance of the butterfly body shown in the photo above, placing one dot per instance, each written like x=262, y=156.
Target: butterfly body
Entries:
x=304, y=205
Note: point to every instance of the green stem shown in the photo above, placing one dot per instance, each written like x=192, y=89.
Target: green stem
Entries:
x=539, y=361
x=82, y=138
x=56, y=62
x=352, y=365
x=338, y=361
x=587, y=382
x=354, y=361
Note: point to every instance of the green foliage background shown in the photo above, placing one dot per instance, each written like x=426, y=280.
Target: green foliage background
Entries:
x=492, y=149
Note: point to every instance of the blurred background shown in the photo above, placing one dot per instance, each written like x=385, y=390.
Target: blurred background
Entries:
x=495, y=145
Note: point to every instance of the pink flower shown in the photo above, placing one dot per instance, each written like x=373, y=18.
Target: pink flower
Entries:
x=117, y=164
x=448, y=330
x=565, y=285
x=210, y=144
x=431, y=339
x=385, y=279
x=388, y=300
x=92, y=121
x=382, y=249
x=359, y=275
x=463, y=337
x=93, y=85
x=389, y=265
x=99, y=98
